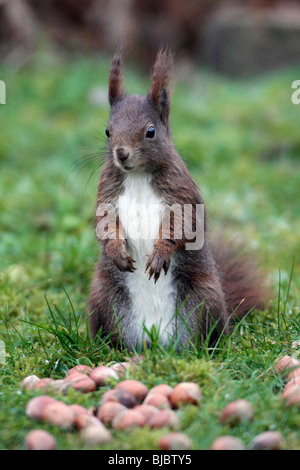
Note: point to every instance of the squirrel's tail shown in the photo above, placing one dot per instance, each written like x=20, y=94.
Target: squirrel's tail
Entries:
x=242, y=280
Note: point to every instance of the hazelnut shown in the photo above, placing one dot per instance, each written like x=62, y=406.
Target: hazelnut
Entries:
x=227, y=443
x=29, y=382
x=40, y=440
x=285, y=363
x=293, y=381
x=237, y=412
x=79, y=410
x=294, y=374
x=292, y=396
x=163, y=389
x=175, y=441
x=186, y=392
x=158, y=400
x=83, y=421
x=290, y=387
x=136, y=388
x=128, y=419
x=109, y=410
x=163, y=418
x=44, y=384
x=35, y=407
x=95, y=435
x=82, y=368
x=120, y=367
x=146, y=410
x=269, y=440
x=83, y=384
x=121, y=396
x=59, y=414
x=61, y=386
x=75, y=375
x=102, y=375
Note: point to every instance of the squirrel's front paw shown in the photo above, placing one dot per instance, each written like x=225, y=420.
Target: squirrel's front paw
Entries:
x=159, y=259
x=116, y=251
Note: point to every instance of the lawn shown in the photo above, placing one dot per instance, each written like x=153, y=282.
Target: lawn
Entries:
x=241, y=142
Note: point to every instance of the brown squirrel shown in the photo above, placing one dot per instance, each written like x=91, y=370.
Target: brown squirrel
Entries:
x=156, y=283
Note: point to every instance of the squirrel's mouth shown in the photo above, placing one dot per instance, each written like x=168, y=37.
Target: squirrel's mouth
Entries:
x=124, y=165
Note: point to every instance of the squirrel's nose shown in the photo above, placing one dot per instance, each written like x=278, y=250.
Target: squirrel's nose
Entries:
x=122, y=154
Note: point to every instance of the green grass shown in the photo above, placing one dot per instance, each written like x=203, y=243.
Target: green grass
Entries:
x=241, y=142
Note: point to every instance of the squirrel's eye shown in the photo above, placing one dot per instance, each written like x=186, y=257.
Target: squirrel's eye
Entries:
x=107, y=132
x=150, y=132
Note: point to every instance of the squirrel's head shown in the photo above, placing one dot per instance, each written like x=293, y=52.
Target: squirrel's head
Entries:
x=138, y=128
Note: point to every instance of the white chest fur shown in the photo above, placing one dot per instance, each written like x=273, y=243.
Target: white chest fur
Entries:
x=153, y=304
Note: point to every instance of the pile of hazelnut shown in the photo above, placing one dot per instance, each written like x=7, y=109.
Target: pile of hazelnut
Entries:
x=130, y=404
x=127, y=405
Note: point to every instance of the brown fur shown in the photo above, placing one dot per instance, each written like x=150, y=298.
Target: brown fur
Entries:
x=242, y=279
x=161, y=81
x=213, y=283
x=116, y=90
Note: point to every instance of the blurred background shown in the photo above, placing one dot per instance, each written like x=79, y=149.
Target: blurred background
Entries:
x=237, y=37
x=232, y=120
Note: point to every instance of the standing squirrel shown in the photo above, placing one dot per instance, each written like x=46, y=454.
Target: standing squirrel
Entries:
x=159, y=283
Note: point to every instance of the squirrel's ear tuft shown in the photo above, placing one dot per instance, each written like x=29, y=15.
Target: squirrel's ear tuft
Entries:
x=116, y=90
x=159, y=93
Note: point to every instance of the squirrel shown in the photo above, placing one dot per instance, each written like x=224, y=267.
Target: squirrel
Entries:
x=159, y=284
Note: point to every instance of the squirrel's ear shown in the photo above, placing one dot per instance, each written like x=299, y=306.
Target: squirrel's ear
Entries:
x=159, y=93
x=116, y=90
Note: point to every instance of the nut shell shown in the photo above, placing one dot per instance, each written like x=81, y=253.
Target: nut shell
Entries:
x=82, y=368
x=186, y=393
x=164, y=418
x=39, y=439
x=44, y=384
x=237, y=412
x=158, y=400
x=121, y=367
x=35, y=407
x=102, y=375
x=163, y=389
x=146, y=410
x=82, y=384
x=284, y=364
x=292, y=396
x=295, y=373
x=136, y=388
x=95, y=435
x=29, y=382
x=83, y=421
x=79, y=410
x=75, y=375
x=121, y=396
x=59, y=414
x=227, y=443
x=60, y=386
x=109, y=410
x=269, y=440
x=128, y=419
x=175, y=441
